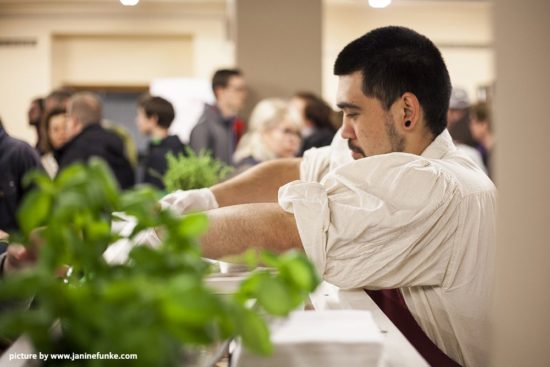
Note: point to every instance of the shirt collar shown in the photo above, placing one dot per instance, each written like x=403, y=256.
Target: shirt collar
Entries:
x=441, y=146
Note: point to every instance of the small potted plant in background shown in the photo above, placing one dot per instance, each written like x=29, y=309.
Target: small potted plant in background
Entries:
x=157, y=306
x=193, y=171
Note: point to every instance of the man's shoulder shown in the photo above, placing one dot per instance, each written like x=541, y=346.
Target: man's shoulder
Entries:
x=16, y=150
x=210, y=115
x=470, y=176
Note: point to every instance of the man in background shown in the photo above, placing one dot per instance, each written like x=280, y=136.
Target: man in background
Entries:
x=87, y=138
x=217, y=128
x=154, y=117
x=17, y=158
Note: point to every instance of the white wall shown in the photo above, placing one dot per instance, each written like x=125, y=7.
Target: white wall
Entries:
x=462, y=31
x=27, y=72
x=119, y=59
x=521, y=313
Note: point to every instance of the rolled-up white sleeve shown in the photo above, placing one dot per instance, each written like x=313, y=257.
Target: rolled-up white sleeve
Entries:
x=379, y=222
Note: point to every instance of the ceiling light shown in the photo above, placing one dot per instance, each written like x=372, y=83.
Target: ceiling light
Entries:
x=379, y=3
x=129, y=2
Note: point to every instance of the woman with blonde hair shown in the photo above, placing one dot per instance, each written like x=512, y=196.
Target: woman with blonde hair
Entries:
x=271, y=134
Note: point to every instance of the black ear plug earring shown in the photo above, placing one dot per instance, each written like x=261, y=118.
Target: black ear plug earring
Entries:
x=408, y=123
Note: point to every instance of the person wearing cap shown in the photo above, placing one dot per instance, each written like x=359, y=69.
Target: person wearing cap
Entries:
x=458, y=117
x=458, y=124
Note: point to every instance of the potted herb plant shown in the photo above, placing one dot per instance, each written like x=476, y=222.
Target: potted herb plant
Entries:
x=157, y=306
x=193, y=171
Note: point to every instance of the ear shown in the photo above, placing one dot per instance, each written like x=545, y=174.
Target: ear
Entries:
x=409, y=111
x=217, y=91
x=154, y=120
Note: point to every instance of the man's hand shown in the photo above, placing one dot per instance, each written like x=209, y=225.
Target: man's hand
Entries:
x=3, y=235
x=181, y=202
x=19, y=257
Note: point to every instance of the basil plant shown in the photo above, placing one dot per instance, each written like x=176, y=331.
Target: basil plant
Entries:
x=156, y=305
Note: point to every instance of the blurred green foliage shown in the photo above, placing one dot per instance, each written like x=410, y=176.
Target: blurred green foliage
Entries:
x=192, y=171
x=157, y=304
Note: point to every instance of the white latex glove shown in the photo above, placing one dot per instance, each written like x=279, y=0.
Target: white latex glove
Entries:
x=196, y=200
x=123, y=225
x=179, y=202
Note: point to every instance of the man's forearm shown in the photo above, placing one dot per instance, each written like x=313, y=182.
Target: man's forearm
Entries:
x=234, y=229
x=260, y=184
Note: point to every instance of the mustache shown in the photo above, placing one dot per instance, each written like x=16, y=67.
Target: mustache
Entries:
x=355, y=148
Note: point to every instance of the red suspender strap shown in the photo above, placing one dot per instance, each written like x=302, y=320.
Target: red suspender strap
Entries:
x=391, y=302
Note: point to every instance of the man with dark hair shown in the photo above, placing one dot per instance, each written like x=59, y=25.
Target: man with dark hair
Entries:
x=216, y=129
x=391, y=205
x=88, y=139
x=154, y=117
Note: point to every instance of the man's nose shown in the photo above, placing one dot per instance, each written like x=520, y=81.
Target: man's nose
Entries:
x=347, y=130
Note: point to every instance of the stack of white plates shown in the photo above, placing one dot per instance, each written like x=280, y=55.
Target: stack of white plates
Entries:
x=320, y=338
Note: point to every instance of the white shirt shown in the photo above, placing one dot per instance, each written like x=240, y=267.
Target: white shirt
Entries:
x=424, y=224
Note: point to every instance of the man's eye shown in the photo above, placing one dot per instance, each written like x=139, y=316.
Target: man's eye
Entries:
x=351, y=115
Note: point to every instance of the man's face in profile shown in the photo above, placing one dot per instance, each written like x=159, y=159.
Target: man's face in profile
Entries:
x=368, y=127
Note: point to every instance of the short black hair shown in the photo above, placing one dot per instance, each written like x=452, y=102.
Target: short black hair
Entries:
x=221, y=78
x=395, y=60
x=317, y=110
x=160, y=107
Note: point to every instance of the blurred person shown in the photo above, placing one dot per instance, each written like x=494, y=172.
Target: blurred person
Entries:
x=482, y=131
x=154, y=117
x=315, y=116
x=58, y=98
x=458, y=124
x=34, y=114
x=271, y=134
x=87, y=138
x=55, y=123
x=217, y=129
x=17, y=158
x=458, y=117
x=130, y=148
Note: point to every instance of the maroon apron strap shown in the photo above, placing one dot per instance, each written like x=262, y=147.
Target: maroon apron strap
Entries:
x=391, y=302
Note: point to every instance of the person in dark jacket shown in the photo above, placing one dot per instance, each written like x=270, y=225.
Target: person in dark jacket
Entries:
x=154, y=117
x=16, y=159
x=316, y=117
x=87, y=138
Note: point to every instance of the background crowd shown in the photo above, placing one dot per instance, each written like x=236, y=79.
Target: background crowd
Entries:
x=70, y=127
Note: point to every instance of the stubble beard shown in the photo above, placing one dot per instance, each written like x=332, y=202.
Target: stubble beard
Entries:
x=397, y=141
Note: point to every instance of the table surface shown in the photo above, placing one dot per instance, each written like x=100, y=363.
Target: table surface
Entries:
x=397, y=349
